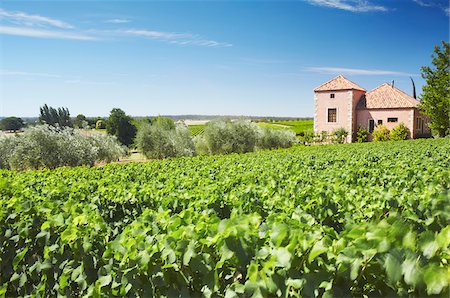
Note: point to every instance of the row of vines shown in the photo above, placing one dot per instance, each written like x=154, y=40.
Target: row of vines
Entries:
x=336, y=220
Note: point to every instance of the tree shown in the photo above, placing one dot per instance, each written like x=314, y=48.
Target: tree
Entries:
x=119, y=124
x=435, y=99
x=80, y=121
x=11, y=123
x=55, y=117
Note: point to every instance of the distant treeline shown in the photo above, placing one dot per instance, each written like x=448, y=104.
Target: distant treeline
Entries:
x=31, y=120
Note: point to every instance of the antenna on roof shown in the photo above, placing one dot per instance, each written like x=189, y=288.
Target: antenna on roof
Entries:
x=414, y=88
x=392, y=85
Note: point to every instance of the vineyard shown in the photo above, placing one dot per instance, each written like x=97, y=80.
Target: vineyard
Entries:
x=333, y=220
x=196, y=130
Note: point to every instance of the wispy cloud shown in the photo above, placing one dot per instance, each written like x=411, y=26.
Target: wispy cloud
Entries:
x=22, y=18
x=174, y=38
x=355, y=71
x=43, y=33
x=443, y=5
x=4, y=72
x=349, y=5
x=36, y=26
x=118, y=21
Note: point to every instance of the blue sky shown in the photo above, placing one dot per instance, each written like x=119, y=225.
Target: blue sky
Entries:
x=259, y=58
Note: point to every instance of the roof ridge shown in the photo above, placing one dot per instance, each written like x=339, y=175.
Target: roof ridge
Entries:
x=352, y=84
x=408, y=97
x=329, y=81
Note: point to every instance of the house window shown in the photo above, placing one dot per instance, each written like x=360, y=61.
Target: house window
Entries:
x=332, y=115
x=379, y=122
x=371, y=125
x=419, y=123
x=332, y=95
x=392, y=119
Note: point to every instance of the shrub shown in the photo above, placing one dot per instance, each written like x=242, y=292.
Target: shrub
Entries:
x=161, y=141
x=380, y=133
x=308, y=137
x=399, y=133
x=49, y=147
x=223, y=137
x=339, y=135
x=362, y=135
x=275, y=138
x=100, y=124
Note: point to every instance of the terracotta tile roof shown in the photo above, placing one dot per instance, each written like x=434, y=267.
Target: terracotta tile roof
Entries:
x=386, y=96
x=339, y=83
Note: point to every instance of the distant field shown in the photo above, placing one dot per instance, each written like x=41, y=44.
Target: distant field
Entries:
x=299, y=125
x=196, y=130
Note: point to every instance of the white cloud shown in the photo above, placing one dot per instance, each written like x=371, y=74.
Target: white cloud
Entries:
x=22, y=18
x=349, y=5
x=36, y=26
x=174, y=38
x=117, y=21
x=354, y=71
x=42, y=33
x=443, y=5
x=28, y=74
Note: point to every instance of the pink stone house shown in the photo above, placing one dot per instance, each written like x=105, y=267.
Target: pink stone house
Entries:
x=342, y=103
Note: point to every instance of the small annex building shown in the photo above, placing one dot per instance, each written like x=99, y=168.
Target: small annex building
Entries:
x=340, y=103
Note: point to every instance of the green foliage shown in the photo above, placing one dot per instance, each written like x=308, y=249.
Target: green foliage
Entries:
x=399, y=133
x=163, y=122
x=299, y=222
x=100, y=124
x=223, y=137
x=435, y=98
x=269, y=138
x=80, y=121
x=362, y=135
x=380, y=133
x=161, y=140
x=339, y=135
x=119, y=125
x=48, y=147
x=55, y=117
x=11, y=124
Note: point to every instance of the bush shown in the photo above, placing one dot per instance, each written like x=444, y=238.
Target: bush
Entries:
x=399, y=133
x=275, y=138
x=380, y=133
x=308, y=137
x=339, y=135
x=161, y=141
x=223, y=137
x=49, y=147
x=100, y=124
x=362, y=135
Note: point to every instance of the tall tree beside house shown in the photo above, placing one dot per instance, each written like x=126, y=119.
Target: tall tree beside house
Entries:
x=55, y=117
x=120, y=125
x=436, y=93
